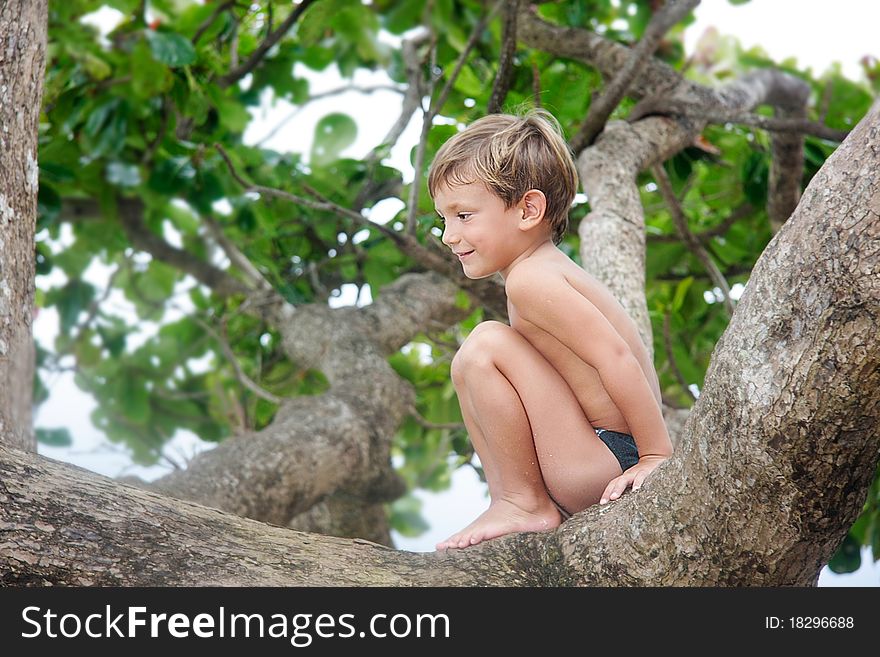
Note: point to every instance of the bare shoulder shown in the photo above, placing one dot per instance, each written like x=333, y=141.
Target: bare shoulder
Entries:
x=540, y=278
x=532, y=275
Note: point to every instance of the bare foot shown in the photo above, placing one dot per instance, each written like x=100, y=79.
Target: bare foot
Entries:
x=503, y=517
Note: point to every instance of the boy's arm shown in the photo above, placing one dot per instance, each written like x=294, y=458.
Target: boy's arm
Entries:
x=547, y=300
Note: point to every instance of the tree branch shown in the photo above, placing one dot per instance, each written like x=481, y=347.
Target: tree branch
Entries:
x=787, y=155
x=421, y=421
x=505, y=62
x=601, y=108
x=142, y=238
x=720, y=115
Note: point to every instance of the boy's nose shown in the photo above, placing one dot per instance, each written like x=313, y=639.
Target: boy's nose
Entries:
x=448, y=237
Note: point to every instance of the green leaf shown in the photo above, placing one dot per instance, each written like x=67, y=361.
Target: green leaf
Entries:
x=680, y=292
x=403, y=15
x=70, y=300
x=157, y=283
x=169, y=175
x=313, y=24
x=848, y=557
x=96, y=67
x=48, y=206
x=756, y=176
x=148, y=76
x=333, y=134
x=406, y=517
x=171, y=48
x=113, y=338
x=54, y=437
x=132, y=396
x=106, y=128
x=87, y=354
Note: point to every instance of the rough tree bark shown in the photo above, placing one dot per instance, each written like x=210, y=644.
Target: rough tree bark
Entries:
x=758, y=493
x=22, y=53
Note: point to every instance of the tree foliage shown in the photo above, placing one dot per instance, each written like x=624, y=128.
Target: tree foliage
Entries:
x=132, y=119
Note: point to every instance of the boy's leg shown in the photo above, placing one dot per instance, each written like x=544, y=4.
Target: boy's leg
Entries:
x=475, y=434
x=534, y=435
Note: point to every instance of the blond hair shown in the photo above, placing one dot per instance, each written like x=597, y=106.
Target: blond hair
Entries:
x=511, y=155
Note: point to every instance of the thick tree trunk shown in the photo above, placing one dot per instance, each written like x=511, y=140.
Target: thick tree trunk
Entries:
x=22, y=53
x=772, y=468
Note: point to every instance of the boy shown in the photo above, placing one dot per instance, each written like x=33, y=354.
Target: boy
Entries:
x=563, y=405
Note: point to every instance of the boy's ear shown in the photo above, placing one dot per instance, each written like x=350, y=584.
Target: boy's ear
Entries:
x=533, y=206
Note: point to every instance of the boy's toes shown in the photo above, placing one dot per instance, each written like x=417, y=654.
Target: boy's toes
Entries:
x=442, y=545
x=451, y=542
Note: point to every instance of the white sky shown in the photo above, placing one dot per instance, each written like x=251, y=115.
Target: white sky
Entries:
x=816, y=32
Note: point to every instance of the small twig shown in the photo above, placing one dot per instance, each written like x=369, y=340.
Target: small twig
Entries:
x=174, y=395
x=112, y=82
x=603, y=105
x=320, y=288
x=667, y=343
x=471, y=42
x=233, y=48
x=160, y=134
x=323, y=204
x=94, y=307
x=692, y=243
x=730, y=272
x=536, y=84
x=238, y=72
x=270, y=19
x=243, y=378
x=741, y=212
x=427, y=121
x=433, y=425
x=505, y=62
x=718, y=115
x=235, y=256
x=210, y=20
x=321, y=96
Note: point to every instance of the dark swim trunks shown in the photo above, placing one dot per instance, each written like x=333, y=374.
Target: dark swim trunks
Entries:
x=622, y=445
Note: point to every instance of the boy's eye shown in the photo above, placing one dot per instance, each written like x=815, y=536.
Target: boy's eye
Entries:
x=464, y=215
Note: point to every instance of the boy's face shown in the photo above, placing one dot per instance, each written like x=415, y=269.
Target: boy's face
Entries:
x=477, y=224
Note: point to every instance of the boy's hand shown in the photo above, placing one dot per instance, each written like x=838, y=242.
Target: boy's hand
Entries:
x=635, y=475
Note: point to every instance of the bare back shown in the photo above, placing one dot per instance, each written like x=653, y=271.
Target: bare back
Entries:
x=582, y=378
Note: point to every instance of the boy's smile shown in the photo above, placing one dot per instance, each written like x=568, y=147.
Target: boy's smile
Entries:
x=486, y=236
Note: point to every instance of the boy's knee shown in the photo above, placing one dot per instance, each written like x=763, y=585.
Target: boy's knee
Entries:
x=468, y=361
x=485, y=327
x=477, y=352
